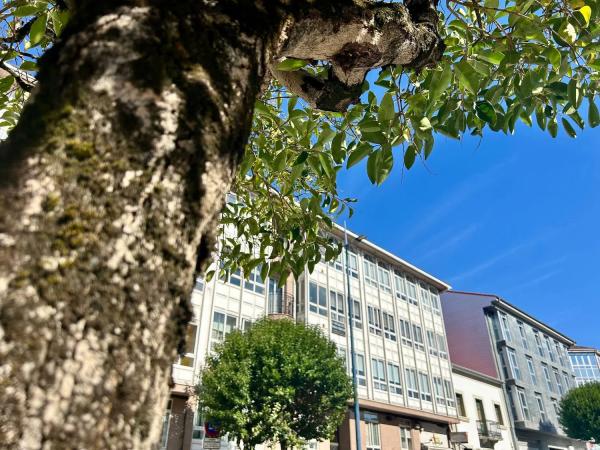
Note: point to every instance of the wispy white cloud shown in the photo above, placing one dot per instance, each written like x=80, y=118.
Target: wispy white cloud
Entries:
x=535, y=281
x=452, y=201
x=486, y=264
x=446, y=241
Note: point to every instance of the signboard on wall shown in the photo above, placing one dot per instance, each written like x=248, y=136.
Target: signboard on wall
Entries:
x=459, y=437
x=212, y=443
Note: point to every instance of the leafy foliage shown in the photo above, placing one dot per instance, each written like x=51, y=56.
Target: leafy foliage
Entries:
x=277, y=382
x=506, y=61
x=580, y=412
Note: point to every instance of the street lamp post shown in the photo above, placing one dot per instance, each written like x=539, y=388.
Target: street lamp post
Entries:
x=352, y=350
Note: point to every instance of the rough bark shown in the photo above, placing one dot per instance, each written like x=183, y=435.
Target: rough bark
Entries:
x=110, y=189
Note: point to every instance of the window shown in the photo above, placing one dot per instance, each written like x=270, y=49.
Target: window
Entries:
x=164, y=434
x=338, y=318
x=198, y=426
x=222, y=325
x=438, y=388
x=360, y=370
x=379, y=381
x=400, y=288
x=505, y=328
x=499, y=416
x=187, y=358
x=559, y=385
x=317, y=298
x=341, y=352
x=524, y=406
x=405, y=438
x=547, y=377
x=384, y=279
x=425, y=299
x=356, y=313
x=411, y=383
x=523, y=335
x=255, y=283
x=394, y=379
x=555, y=407
x=531, y=368
x=559, y=353
x=370, y=272
x=538, y=343
x=424, y=386
x=412, y=291
x=460, y=404
x=389, y=326
x=373, y=439
x=442, y=348
x=405, y=332
x=540, y=405
x=435, y=303
x=246, y=324
x=432, y=343
x=418, y=337
x=566, y=379
x=338, y=262
x=234, y=277
x=199, y=284
x=449, y=393
x=374, y=316
x=353, y=264
x=549, y=347
x=514, y=365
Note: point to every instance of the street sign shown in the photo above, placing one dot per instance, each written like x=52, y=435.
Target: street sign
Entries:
x=212, y=443
x=459, y=437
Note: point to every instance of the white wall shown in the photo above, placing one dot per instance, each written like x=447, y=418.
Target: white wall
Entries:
x=490, y=394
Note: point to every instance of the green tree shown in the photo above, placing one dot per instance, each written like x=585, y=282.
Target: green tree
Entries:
x=113, y=179
x=580, y=412
x=277, y=382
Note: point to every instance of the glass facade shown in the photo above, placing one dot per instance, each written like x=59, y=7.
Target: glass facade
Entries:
x=586, y=366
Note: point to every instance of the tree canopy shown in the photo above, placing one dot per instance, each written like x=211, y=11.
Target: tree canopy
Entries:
x=277, y=382
x=504, y=62
x=580, y=412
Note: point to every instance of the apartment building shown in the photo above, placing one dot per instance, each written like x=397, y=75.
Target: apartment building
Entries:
x=406, y=394
x=481, y=406
x=492, y=336
x=586, y=364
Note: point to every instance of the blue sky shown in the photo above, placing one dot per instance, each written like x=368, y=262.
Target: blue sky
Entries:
x=517, y=216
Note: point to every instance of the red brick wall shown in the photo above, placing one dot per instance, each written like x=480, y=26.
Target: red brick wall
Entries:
x=468, y=338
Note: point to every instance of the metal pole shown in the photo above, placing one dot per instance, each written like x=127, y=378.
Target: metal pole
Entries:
x=352, y=351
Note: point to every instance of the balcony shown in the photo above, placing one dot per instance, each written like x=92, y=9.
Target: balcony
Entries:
x=489, y=432
x=281, y=303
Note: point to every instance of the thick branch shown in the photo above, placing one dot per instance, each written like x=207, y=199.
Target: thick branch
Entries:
x=355, y=40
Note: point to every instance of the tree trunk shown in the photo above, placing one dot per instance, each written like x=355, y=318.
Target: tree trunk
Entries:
x=110, y=189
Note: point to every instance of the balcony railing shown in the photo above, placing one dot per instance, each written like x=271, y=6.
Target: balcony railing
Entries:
x=281, y=303
x=488, y=430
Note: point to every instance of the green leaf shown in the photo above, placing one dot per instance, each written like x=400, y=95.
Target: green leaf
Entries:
x=553, y=128
x=26, y=10
x=467, y=76
x=553, y=56
x=38, y=29
x=573, y=92
x=410, y=155
x=493, y=57
x=424, y=124
x=301, y=158
x=291, y=64
x=29, y=66
x=593, y=116
x=386, y=108
x=59, y=20
x=380, y=165
x=359, y=153
x=569, y=128
x=486, y=112
x=439, y=82
x=6, y=83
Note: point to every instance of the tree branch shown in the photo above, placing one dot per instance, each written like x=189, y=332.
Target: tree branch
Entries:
x=355, y=40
